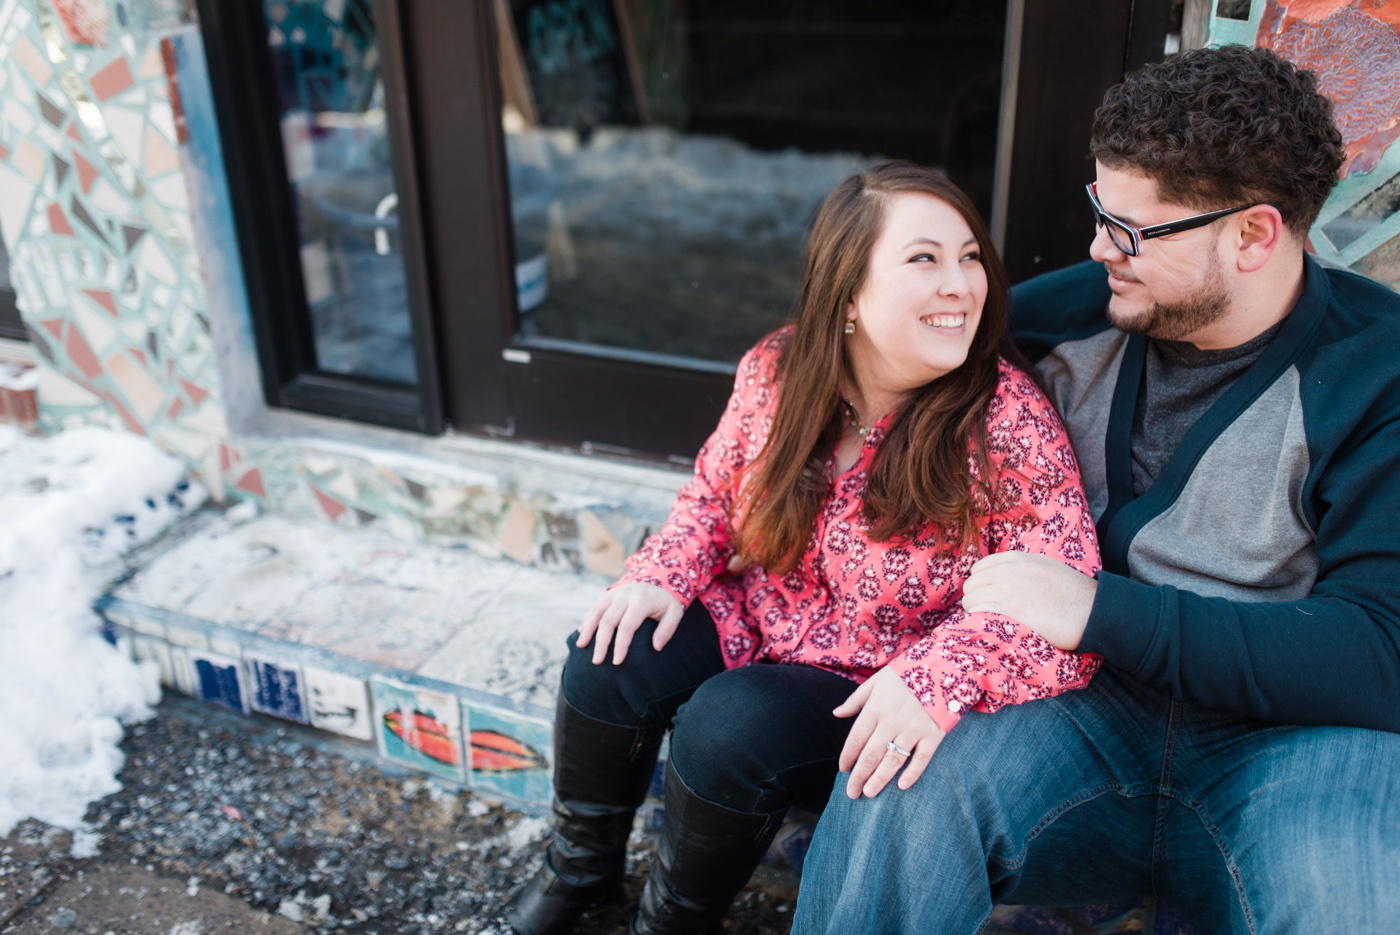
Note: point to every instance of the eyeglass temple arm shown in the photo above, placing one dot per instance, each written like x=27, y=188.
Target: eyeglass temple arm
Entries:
x=1186, y=224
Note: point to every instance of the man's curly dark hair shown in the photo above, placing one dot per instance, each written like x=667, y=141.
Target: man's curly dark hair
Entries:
x=1222, y=127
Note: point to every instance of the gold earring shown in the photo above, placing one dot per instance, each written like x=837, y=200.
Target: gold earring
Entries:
x=850, y=327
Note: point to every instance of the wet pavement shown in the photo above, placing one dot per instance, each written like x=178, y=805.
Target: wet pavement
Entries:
x=233, y=824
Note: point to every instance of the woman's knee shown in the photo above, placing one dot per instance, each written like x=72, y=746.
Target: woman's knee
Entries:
x=735, y=744
x=601, y=691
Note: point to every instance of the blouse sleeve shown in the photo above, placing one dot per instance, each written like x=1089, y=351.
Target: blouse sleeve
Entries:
x=696, y=543
x=983, y=661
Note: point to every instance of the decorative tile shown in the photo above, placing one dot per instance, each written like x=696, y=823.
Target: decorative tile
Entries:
x=30, y=160
x=154, y=261
x=16, y=193
x=151, y=65
x=331, y=507
x=126, y=127
x=196, y=394
x=277, y=688
x=96, y=328
x=103, y=298
x=159, y=157
x=106, y=197
x=219, y=680
x=141, y=392
x=86, y=172
x=602, y=552
x=85, y=21
x=19, y=117
x=86, y=219
x=518, y=533
x=339, y=703
x=251, y=482
x=419, y=728
x=510, y=753
x=31, y=60
x=58, y=224
x=111, y=80
x=81, y=354
x=57, y=390
x=50, y=111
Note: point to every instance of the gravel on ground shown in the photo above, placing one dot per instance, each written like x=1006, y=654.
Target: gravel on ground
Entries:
x=251, y=824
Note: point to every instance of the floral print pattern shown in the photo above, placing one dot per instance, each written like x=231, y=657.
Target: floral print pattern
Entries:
x=854, y=605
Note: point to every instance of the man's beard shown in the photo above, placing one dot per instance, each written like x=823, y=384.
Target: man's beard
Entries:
x=1180, y=320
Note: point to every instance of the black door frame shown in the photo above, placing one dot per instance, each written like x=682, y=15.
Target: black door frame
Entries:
x=241, y=78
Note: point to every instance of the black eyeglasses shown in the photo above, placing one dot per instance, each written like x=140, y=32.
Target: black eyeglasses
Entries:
x=1128, y=238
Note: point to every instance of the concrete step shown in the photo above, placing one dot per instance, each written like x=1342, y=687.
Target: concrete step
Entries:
x=446, y=661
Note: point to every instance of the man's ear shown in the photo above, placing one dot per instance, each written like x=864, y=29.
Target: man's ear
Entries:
x=1258, y=233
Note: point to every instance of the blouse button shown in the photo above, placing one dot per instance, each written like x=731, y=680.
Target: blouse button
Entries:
x=954, y=706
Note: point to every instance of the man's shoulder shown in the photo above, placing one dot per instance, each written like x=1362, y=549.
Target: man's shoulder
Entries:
x=1360, y=306
x=1063, y=305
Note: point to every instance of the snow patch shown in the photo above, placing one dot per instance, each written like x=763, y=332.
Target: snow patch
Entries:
x=86, y=842
x=526, y=832
x=70, y=502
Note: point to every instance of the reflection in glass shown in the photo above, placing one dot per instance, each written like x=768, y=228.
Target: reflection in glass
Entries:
x=325, y=58
x=666, y=157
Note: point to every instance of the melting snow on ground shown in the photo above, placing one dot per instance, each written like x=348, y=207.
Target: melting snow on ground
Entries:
x=70, y=506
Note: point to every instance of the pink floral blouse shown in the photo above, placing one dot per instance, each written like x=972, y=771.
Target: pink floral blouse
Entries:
x=854, y=605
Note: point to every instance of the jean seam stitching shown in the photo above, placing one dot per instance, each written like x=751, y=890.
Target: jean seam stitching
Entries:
x=1218, y=837
x=1164, y=790
x=1074, y=801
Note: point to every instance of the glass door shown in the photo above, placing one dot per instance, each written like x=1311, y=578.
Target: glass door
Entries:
x=319, y=141
x=666, y=157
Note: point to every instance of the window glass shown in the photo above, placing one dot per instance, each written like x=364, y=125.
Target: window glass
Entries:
x=330, y=97
x=666, y=156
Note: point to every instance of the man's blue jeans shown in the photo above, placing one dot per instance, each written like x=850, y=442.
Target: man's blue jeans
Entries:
x=1119, y=791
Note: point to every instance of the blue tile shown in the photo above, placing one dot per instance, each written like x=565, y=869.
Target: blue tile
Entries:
x=218, y=680
x=277, y=689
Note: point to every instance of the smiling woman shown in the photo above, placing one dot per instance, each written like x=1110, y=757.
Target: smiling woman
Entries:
x=809, y=574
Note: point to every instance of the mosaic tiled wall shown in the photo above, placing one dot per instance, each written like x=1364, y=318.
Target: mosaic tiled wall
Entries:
x=1354, y=47
x=98, y=171
x=95, y=216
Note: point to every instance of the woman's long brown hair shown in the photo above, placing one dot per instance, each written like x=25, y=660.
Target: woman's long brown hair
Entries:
x=921, y=475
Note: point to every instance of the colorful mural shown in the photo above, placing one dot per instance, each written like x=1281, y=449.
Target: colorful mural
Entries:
x=1354, y=48
x=509, y=753
x=418, y=728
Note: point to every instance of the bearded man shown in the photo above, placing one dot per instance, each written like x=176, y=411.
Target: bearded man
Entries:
x=1235, y=407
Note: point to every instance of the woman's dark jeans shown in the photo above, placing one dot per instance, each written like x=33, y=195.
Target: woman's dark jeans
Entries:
x=755, y=739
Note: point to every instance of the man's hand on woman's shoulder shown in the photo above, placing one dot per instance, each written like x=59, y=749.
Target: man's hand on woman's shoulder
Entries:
x=1036, y=591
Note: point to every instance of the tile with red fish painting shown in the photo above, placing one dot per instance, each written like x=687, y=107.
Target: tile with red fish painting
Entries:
x=418, y=728
x=509, y=753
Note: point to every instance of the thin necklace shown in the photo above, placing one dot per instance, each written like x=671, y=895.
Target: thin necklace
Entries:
x=854, y=418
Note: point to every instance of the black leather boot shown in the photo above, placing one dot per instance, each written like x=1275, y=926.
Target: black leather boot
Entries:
x=601, y=774
x=707, y=854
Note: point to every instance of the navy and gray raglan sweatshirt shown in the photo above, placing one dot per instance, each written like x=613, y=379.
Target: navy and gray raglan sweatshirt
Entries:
x=1259, y=574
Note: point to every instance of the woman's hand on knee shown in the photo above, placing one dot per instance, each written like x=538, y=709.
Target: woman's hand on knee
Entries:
x=620, y=611
x=888, y=712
